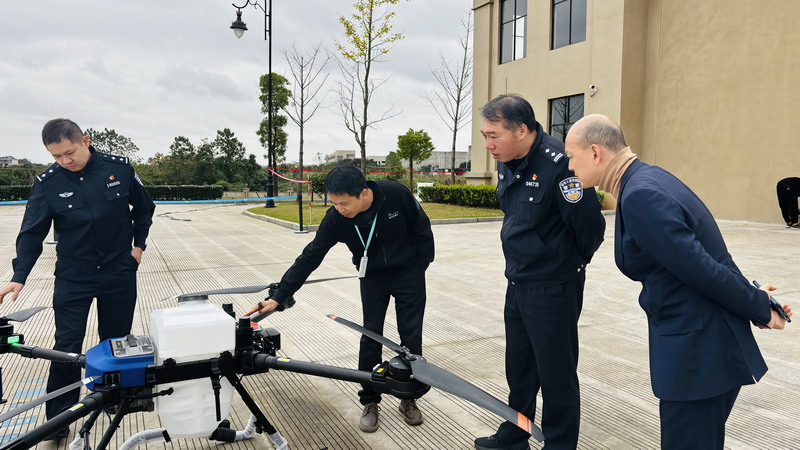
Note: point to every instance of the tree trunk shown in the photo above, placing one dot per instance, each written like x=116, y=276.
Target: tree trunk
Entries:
x=453, y=160
x=411, y=175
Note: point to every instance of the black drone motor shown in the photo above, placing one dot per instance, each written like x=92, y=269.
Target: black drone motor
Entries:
x=396, y=377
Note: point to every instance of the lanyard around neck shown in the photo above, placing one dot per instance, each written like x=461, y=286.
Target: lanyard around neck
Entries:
x=369, y=238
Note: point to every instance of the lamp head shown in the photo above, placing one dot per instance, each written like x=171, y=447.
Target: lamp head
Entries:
x=237, y=25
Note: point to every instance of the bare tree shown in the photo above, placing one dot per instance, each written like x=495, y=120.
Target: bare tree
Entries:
x=368, y=35
x=453, y=98
x=309, y=74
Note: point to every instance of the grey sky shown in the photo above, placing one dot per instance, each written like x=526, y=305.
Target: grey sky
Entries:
x=155, y=69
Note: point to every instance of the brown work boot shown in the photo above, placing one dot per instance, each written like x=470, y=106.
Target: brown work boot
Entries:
x=411, y=414
x=369, y=418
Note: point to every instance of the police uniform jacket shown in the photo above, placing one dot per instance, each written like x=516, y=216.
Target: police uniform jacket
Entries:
x=91, y=213
x=698, y=304
x=552, y=226
x=402, y=241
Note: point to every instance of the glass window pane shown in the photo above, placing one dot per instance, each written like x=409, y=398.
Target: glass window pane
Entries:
x=561, y=25
x=522, y=7
x=553, y=112
x=559, y=114
x=559, y=132
x=507, y=43
x=575, y=108
x=578, y=33
x=519, y=37
x=507, y=8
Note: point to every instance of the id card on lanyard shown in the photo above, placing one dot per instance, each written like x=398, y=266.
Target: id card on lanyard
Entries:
x=362, y=268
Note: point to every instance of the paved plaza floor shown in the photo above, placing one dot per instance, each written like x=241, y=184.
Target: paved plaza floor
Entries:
x=199, y=247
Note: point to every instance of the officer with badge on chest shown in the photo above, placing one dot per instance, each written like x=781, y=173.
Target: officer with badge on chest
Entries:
x=99, y=207
x=551, y=229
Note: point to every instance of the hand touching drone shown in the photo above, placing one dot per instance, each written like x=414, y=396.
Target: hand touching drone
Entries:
x=265, y=306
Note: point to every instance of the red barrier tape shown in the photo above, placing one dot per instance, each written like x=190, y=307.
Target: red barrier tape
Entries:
x=385, y=171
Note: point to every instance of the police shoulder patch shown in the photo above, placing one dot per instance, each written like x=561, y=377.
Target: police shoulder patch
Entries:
x=114, y=158
x=553, y=155
x=571, y=189
x=48, y=174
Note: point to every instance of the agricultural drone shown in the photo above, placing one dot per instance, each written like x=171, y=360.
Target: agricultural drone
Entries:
x=169, y=372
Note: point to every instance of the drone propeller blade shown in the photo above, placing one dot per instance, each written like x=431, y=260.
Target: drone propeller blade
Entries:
x=25, y=314
x=320, y=280
x=441, y=379
x=234, y=290
x=374, y=336
x=34, y=403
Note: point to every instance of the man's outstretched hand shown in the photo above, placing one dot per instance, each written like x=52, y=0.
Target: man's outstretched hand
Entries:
x=11, y=288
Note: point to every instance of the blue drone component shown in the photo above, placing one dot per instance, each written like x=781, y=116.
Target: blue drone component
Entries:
x=129, y=356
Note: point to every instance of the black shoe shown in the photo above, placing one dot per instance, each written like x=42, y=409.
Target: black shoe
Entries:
x=492, y=443
x=58, y=435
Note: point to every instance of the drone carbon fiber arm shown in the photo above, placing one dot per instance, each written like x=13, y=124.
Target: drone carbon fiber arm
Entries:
x=29, y=351
x=83, y=408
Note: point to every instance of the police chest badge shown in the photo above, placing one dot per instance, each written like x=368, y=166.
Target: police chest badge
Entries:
x=571, y=189
x=65, y=194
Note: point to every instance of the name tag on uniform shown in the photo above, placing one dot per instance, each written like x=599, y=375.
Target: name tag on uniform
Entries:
x=362, y=268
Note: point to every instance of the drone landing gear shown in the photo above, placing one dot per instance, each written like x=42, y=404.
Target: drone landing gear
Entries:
x=261, y=422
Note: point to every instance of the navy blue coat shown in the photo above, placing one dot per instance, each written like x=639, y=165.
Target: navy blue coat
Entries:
x=91, y=213
x=698, y=304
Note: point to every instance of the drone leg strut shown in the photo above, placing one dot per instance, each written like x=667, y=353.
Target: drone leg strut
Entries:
x=112, y=427
x=87, y=425
x=261, y=419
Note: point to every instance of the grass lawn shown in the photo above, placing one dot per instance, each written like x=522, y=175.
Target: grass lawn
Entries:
x=288, y=211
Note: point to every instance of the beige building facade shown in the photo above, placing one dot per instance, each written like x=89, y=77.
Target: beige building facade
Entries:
x=709, y=89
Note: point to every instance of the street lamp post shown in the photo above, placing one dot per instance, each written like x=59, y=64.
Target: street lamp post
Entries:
x=239, y=28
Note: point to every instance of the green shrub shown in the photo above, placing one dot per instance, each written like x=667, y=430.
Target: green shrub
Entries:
x=14, y=192
x=601, y=197
x=482, y=196
x=10, y=193
x=185, y=192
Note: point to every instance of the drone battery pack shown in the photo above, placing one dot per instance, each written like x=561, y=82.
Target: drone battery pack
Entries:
x=128, y=356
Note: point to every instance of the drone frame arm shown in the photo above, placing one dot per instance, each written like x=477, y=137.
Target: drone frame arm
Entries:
x=309, y=368
x=91, y=402
x=30, y=351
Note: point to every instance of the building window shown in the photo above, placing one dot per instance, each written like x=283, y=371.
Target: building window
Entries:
x=569, y=22
x=564, y=112
x=513, y=26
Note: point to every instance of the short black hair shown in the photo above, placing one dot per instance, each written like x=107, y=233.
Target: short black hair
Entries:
x=345, y=180
x=57, y=130
x=510, y=109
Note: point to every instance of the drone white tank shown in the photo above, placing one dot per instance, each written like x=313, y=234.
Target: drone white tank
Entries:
x=193, y=331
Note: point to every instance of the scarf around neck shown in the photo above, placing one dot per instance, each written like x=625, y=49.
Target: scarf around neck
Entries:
x=611, y=178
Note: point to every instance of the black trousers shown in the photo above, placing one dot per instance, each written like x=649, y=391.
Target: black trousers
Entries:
x=696, y=424
x=542, y=353
x=409, y=303
x=115, y=291
x=788, y=191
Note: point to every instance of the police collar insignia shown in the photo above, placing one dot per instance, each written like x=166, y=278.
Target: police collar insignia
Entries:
x=571, y=189
x=65, y=194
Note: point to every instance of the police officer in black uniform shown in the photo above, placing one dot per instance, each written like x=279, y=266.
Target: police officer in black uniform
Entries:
x=86, y=195
x=551, y=229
